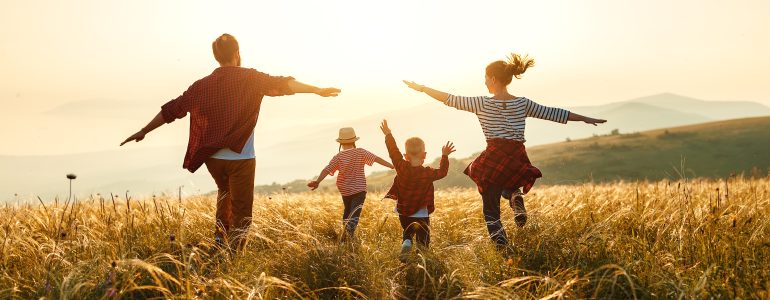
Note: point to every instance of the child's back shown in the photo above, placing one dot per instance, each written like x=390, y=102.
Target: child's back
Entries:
x=350, y=165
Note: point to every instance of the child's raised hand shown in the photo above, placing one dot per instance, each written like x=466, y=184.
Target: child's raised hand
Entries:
x=313, y=185
x=384, y=127
x=448, y=148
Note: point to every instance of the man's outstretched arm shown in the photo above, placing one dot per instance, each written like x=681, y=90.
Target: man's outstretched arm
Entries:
x=156, y=122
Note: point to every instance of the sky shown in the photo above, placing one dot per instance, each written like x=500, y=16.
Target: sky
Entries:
x=143, y=53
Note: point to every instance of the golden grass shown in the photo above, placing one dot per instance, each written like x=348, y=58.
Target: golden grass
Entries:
x=693, y=239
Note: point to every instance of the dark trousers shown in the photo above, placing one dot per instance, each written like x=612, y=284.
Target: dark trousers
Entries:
x=491, y=197
x=417, y=227
x=350, y=215
x=235, y=197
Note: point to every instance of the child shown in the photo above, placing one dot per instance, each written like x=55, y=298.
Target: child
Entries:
x=413, y=187
x=351, y=181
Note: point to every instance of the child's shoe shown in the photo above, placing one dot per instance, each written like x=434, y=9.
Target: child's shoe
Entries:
x=406, y=247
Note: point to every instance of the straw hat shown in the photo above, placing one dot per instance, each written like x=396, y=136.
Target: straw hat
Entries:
x=347, y=135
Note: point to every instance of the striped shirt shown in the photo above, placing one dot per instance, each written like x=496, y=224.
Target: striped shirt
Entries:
x=505, y=119
x=350, y=164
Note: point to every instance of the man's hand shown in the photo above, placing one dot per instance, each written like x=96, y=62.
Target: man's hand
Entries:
x=313, y=185
x=328, y=92
x=413, y=85
x=448, y=148
x=593, y=121
x=384, y=127
x=135, y=137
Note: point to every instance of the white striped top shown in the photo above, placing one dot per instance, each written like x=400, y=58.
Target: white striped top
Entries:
x=505, y=119
x=350, y=163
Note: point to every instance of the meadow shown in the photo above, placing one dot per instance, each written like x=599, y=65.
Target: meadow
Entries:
x=689, y=238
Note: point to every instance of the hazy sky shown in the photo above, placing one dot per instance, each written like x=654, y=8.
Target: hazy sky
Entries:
x=587, y=52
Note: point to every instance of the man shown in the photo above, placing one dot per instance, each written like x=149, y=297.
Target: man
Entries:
x=224, y=107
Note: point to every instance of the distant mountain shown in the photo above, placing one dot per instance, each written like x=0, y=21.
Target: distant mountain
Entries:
x=716, y=110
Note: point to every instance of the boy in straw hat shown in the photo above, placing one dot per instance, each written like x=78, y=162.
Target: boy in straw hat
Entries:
x=413, y=187
x=351, y=181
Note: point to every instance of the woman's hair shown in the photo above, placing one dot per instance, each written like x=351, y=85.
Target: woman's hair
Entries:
x=514, y=67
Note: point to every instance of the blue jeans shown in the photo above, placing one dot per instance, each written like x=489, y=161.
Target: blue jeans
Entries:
x=350, y=215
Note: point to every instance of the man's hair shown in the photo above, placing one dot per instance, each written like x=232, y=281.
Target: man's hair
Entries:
x=225, y=47
x=415, y=146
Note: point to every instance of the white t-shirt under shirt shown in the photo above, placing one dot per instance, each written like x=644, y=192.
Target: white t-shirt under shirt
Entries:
x=246, y=153
x=422, y=213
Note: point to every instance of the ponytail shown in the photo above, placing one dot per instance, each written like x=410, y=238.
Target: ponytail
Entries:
x=504, y=71
x=517, y=64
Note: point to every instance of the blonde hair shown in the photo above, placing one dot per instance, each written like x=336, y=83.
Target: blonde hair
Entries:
x=414, y=146
x=514, y=67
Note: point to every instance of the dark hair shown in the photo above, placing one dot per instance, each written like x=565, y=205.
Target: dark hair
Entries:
x=225, y=47
x=514, y=67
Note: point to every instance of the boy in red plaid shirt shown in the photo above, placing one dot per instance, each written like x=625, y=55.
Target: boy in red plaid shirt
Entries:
x=413, y=186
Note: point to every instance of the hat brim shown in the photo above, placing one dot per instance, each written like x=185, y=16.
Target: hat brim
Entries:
x=348, y=140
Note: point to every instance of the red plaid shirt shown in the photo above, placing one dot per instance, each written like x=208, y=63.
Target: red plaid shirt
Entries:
x=503, y=164
x=224, y=108
x=413, y=186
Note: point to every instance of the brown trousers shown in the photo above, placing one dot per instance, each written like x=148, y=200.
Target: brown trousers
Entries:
x=235, y=198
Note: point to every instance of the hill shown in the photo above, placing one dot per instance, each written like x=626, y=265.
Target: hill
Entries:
x=713, y=150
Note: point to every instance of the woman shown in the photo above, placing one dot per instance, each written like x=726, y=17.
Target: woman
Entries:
x=503, y=168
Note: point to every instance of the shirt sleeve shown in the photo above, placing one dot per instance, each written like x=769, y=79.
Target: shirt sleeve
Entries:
x=179, y=107
x=271, y=85
x=443, y=168
x=535, y=110
x=395, y=155
x=470, y=104
x=369, y=157
x=333, y=166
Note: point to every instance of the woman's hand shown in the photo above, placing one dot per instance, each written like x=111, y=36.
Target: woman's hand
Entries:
x=413, y=85
x=593, y=121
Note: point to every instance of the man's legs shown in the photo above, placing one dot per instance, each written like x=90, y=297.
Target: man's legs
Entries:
x=241, y=180
x=218, y=170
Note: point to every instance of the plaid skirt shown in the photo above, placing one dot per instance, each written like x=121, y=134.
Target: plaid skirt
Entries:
x=503, y=164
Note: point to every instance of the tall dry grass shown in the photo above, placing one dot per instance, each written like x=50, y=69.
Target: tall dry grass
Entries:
x=682, y=239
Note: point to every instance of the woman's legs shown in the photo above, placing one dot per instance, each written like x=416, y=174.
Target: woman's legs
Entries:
x=491, y=198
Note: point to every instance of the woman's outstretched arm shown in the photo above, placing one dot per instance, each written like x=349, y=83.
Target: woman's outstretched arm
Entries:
x=435, y=94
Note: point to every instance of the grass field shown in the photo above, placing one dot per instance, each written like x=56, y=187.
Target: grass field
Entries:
x=689, y=238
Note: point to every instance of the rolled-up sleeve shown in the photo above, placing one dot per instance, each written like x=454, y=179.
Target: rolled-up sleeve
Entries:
x=268, y=85
x=177, y=108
